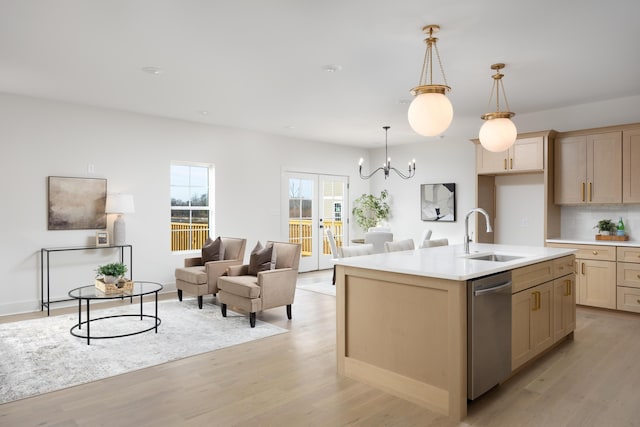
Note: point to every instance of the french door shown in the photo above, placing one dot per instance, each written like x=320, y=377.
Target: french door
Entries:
x=311, y=204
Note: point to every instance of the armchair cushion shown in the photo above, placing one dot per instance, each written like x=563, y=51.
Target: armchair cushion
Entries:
x=261, y=259
x=196, y=275
x=212, y=250
x=242, y=286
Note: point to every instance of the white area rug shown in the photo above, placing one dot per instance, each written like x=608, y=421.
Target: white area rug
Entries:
x=40, y=355
x=319, y=282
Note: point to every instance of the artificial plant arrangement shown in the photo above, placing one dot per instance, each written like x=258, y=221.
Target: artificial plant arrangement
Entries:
x=369, y=210
x=110, y=273
x=606, y=226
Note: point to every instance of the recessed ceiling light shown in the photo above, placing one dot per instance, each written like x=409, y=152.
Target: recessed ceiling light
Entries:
x=333, y=68
x=203, y=112
x=152, y=70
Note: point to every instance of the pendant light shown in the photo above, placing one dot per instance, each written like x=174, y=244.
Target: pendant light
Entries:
x=498, y=132
x=430, y=112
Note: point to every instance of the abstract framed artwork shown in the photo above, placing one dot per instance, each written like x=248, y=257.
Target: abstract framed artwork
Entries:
x=77, y=203
x=438, y=202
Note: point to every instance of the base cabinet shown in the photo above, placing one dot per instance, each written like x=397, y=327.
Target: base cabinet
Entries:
x=532, y=330
x=564, y=306
x=597, y=283
x=543, y=307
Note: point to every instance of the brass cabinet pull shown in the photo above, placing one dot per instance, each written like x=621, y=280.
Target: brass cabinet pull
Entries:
x=510, y=163
x=583, y=268
x=505, y=164
x=638, y=276
x=561, y=268
x=638, y=301
x=567, y=288
x=582, y=191
x=590, y=192
x=595, y=252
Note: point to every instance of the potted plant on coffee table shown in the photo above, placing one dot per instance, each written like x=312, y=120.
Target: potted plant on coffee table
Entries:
x=111, y=273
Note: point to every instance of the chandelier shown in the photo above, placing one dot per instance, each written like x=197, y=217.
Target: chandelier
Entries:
x=386, y=166
x=498, y=131
x=430, y=112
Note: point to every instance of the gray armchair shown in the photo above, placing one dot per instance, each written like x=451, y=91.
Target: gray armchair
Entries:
x=267, y=289
x=198, y=278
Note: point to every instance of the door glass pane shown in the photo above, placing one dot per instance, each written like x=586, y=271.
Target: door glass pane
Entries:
x=301, y=213
x=332, y=204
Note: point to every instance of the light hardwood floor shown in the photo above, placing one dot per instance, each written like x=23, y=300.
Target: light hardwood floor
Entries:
x=290, y=380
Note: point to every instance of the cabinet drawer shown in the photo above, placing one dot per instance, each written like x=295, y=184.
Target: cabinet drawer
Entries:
x=628, y=299
x=604, y=253
x=563, y=266
x=531, y=275
x=626, y=254
x=628, y=274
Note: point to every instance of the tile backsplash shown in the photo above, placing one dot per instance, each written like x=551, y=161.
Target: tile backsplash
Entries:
x=577, y=222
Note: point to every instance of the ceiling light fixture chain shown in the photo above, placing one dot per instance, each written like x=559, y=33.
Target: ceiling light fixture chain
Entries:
x=386, y=166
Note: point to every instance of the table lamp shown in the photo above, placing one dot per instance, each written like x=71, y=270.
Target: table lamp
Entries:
x=119, y=204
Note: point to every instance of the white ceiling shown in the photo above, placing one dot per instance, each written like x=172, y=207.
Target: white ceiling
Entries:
x=260, y=64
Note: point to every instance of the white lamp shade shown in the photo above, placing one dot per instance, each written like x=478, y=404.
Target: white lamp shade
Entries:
x=119, y=203
x=430, y=114
x=498, y=134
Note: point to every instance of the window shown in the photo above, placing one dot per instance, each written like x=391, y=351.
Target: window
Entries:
x=191, y=205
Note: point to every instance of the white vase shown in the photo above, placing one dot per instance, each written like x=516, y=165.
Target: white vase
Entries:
x=604, y=233
x=109, y=279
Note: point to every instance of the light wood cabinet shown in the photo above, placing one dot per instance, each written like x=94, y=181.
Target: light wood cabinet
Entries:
x=542, y=309
x=588, y=168
x=596, y=283
x=525, y=155
x=595, y=274
x=630, y=169
x=564, y=306
x=628, y=281
x=531, y=323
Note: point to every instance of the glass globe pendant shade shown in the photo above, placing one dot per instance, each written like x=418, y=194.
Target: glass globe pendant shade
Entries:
x=498, y=134
x=430, y=114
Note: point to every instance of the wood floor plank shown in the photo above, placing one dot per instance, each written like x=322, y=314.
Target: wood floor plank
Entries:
x=290, y=380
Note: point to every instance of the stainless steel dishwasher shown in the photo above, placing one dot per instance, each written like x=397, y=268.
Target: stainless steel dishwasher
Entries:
x=488, y=332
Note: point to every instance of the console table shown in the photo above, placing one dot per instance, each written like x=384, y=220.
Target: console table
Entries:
x=44, y=266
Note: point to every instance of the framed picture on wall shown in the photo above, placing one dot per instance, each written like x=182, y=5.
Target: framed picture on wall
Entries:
x=438, y=202
x=102, y=238
x=77, y=203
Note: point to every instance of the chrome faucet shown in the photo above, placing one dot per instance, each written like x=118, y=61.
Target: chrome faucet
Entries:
x=466, y=226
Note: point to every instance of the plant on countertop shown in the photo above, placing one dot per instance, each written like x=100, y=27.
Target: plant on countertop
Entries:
x=369, y=210
x=116, y=269
x=606, y=225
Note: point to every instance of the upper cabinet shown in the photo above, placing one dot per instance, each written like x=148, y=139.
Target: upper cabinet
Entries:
x=525, y=155
x=630, y=169
x=588, y=168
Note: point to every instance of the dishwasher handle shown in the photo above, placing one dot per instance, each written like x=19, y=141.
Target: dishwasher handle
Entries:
x=493, y=289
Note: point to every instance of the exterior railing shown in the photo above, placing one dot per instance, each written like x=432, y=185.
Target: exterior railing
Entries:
x=185, y=236
x=301, y=231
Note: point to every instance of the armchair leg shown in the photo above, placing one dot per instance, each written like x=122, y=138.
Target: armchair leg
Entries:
x=200, y=302
x=179, y=294
x=289, y=311
x=252, y=319
x=223, y=307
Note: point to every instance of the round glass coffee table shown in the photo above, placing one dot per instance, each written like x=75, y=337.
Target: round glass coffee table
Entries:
x=91, y=293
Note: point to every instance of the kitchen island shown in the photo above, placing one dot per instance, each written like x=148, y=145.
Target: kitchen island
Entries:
x=402, y=316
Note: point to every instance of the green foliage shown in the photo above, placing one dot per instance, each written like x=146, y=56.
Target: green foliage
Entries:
x=606, y=225
x=116, y=269
x=369, y=210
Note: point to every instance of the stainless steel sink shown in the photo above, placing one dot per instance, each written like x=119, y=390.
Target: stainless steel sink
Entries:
x=494, y=257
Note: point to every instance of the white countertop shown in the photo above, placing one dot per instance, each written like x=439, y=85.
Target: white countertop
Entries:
x=449, y=262
x=632, y=243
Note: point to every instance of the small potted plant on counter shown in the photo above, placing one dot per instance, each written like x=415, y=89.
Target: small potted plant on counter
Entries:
x=605, y=227
x=111, y=273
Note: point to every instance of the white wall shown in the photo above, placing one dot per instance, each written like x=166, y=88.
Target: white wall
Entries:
x=133, y=152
